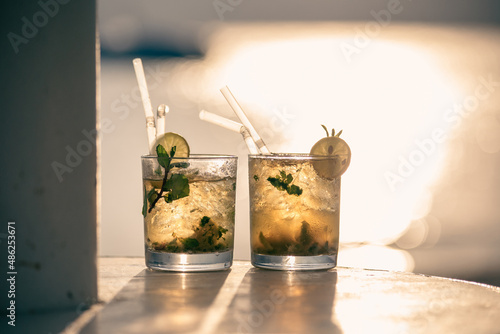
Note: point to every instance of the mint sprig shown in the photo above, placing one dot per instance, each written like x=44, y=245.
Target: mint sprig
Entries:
x=208, y=236
x=173, y=186
x=283, y=182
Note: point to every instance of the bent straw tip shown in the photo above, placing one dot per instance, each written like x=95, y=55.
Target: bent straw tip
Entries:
x=202, y=114
x=162, y=109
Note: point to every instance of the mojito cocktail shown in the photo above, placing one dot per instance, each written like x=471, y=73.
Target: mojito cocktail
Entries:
x=295, y=206
x=189, y=211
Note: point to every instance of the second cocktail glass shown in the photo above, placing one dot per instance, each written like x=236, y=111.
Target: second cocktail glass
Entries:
x=294, y=211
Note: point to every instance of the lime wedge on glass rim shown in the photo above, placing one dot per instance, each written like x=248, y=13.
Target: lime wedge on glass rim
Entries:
x=169, y=140
x=331, y=146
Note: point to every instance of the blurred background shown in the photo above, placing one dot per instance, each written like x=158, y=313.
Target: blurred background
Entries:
x=415, y=86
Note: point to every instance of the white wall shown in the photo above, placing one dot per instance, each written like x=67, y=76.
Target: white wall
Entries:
x=397, y=89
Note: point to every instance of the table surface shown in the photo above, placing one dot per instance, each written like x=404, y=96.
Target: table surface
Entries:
x=245, y=299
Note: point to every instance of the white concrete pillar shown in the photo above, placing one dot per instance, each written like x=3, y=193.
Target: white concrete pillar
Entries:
x=48, y=154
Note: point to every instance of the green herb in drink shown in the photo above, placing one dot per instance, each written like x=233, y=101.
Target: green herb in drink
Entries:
x=204, y=221
x=190, y=243
x=283, y=182
x=302, y=245
x=173, y=186
x=208, y=236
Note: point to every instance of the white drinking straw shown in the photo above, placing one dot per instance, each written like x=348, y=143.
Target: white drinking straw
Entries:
x=221, y=121
x=160, y=119
x=252, y=148
x=146, y=102
x=231, y=125
x=244, y=119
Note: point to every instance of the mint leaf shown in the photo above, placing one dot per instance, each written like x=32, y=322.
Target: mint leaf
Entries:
x=294, y=190
x=282, y=183
x=190, y=243
x=256, y=178
x=172, y=151
x=204, y=221
x=152, y=196
x=177, y=186
x=172, y=246
x=161, y=151
x=222, y=231
x=163, y=158
x=145, y=204
x=277, y=183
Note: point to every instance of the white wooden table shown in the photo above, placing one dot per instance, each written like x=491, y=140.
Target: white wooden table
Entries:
x=250, y=300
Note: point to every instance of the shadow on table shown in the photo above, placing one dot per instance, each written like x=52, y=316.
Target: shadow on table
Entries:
x=159, y=302
x=283, y=302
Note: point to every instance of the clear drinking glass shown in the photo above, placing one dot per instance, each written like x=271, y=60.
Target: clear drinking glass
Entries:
x=189, y=215
x=294, y=211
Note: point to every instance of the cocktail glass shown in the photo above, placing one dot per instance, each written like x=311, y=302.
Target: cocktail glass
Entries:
x=294, y=211
x=189, y=214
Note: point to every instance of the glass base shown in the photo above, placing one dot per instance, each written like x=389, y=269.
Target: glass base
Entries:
x=188, y=262
x=289, y=262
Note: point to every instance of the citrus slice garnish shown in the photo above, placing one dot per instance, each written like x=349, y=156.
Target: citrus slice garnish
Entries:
x=169, y=140
x=337, y=156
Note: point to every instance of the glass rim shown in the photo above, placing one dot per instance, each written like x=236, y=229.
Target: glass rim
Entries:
x=297, y=156
x=196, y=157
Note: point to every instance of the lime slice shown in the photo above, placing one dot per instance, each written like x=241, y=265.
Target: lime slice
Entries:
x=337, y=157
x=169, y=140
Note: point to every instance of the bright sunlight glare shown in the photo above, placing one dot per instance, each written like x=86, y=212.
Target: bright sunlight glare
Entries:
x=396, y=84
x=388, y=102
